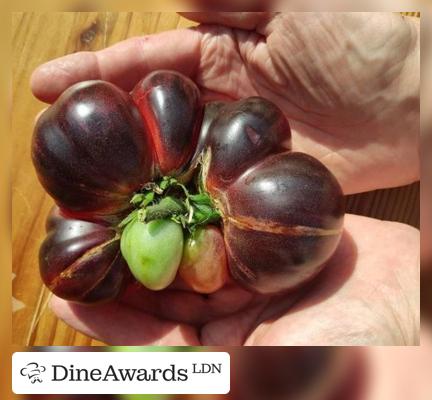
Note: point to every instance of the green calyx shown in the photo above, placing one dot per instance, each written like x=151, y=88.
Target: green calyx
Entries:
x=170, y=199
x=153, y=234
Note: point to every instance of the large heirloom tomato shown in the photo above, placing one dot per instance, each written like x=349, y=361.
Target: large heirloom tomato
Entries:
x=155, y=184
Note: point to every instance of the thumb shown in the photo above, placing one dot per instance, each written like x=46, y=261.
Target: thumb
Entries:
x=231, y=5
x=242, y=20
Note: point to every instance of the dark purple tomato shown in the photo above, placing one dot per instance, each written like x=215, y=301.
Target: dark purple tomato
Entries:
x=81, y=261
x=97, y=145
x=91, y=151
x=282, y=221
x=242, y=134
x=171, y=108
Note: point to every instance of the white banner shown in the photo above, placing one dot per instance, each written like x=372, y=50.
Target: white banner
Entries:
x=121, y=373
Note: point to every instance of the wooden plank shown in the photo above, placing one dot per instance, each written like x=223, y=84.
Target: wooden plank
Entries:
x=39, y=37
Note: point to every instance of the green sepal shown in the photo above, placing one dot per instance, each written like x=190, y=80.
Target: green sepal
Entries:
x=166, y=208
x=131, y=217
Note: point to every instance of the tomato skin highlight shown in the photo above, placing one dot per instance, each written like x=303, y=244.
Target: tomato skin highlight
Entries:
x=153, y=251
x=204, y=263
x=242, y=134
x=171, y=108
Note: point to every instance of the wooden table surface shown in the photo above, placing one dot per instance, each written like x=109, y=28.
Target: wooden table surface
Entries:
x=38, y=38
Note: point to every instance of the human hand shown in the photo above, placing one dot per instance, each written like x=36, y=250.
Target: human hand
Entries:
x=343, y=80
x=367, y=294
x=348, y=130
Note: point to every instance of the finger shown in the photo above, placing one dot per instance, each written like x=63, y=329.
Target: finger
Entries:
x=361, y=268
x=189, y=307
x=117, y=324
x=232, y=330
x=243, y=323
x=231, y=5
x=241, y=20
x=124, y=64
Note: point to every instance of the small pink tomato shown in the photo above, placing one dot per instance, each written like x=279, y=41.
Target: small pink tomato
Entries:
x=204, y=263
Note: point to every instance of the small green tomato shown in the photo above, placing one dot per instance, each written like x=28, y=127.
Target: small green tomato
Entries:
x=153, y=251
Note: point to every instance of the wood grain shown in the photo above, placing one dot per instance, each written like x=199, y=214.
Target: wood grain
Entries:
x=39, y=37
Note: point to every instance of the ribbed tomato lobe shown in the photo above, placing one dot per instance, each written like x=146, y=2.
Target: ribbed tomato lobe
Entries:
x=282, y=221
x=290, y=189
x=81, y=261
x=242, y=134
x=91, y=151
x=171, y=107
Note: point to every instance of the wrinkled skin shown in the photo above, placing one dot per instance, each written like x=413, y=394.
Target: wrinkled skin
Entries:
x=341, y=105
x=354, y=136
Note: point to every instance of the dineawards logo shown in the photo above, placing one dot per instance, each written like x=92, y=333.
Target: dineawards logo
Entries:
x=60, y=373
x=33, y=371
x=120, y=373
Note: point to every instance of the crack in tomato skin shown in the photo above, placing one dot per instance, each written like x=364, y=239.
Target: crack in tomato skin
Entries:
x=282, y=218
x=262, y=225
x=79, y=260
x=238, y=266
x=69, y=272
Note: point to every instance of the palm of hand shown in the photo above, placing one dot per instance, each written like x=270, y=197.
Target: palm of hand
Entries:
x=356, y=299
x=331, y=74
x=302, y=65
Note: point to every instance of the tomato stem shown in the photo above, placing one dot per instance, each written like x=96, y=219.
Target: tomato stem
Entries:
x=166, y=208
x=170, y=199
